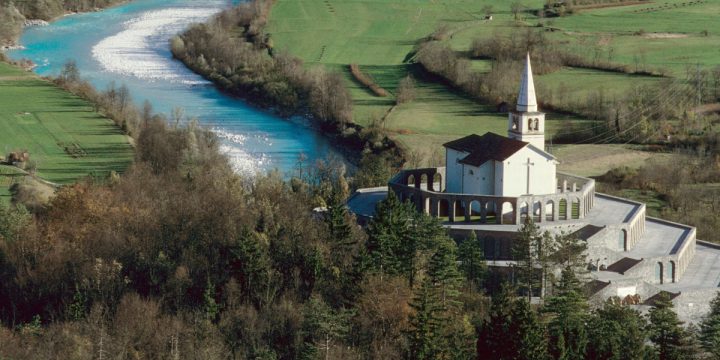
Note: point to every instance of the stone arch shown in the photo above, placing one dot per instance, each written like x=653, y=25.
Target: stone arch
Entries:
x=536, y=126
x=537, y=211
x=524, y=211
x=443, y=209
x=659, y=273
x=437, y=179
x=563, y=207
x=623, y=240
x=491, y=213
x=459, y=206
x=575, y=210
x=424, y=180
x=411, y=180
x=670, y=276
x=475, y=210
x=507, y=213
x=550, y=210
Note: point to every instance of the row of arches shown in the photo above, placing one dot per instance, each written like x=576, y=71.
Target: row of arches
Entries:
x=494, y=212
x=421, y=181
x=545, y=210
x=665, y=274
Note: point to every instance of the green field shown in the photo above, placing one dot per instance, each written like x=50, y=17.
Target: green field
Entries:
x=65, y=138
x=381, y=36
x=668, y=34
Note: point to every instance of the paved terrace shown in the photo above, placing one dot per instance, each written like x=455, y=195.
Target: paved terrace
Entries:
x=703, y=272
x=660, y=239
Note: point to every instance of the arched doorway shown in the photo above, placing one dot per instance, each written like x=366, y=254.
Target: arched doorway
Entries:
x=411, y=180
x=671, y=272
x=507, y=213
x=659, y=273
x=491, y=213
x=523, y=211
x=424, y=181
x=622, y=240
x=550, y=211
x=575, y=208
x=475, y=211
x=459, y=210
x=443, y=210
x=437, y=182
x=563, y=209
x=536, y=211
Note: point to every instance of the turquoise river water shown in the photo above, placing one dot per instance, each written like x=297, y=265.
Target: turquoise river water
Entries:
x=129, y=44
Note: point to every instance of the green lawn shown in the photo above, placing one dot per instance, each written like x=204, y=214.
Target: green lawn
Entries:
x=381, y=36
x=670, y=35
x=66, y=139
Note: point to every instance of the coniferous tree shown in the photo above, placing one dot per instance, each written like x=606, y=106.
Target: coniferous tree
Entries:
x=530, y=250
x=513, y=331
x=444, y=274
x=666, y=332
x=495, y=341
x=385, y=231
x=616, y=332
x=338, y=222
x=568, y=310
x=425, y=336
x=528, y=333
x=398, y=236
x=568, y=251
x=710, y=329
x=472, y=260
x=322, y=326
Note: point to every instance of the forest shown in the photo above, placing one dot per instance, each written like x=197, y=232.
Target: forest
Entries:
x=178, y=257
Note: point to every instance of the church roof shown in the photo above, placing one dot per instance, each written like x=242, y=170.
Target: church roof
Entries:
x=526, y=101
x=487, y=147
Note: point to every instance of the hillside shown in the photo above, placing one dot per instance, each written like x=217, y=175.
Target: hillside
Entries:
x=382, y=38
x=64, y=137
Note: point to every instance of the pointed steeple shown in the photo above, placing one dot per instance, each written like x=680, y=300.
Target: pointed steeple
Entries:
x=526, y=101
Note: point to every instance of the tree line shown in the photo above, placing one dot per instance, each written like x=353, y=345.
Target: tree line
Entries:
x=14, y=13
x=644, y=114
x=233, y=51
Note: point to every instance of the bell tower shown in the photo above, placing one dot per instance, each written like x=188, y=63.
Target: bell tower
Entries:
x=526, y=123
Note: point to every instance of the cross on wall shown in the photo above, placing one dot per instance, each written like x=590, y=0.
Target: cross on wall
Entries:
x=528, y=164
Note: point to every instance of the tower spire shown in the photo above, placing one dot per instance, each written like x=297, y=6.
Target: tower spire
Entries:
x=526, y=101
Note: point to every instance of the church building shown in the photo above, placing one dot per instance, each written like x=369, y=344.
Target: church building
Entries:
x=492, y=184
x=505, y=166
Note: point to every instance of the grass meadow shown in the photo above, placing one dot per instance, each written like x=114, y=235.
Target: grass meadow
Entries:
x=381, y=36
x=66, y=139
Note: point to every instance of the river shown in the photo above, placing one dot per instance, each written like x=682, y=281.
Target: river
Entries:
x=128, y=44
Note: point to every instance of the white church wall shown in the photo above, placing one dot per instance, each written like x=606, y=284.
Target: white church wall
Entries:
x=479, y=180
x=453, y=170
x=499, y=173
x=542, y=173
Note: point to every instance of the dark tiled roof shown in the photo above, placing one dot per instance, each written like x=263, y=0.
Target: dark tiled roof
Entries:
x=622, y=265
x=594, y=286
x=586, y=232
x=487, y=147
x=653, y=299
